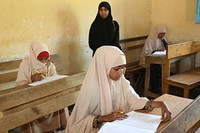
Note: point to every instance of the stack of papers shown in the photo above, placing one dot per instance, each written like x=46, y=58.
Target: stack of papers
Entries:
x=135, y=123
x=47, y=79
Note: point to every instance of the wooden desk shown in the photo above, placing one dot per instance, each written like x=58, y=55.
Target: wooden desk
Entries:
x=185, y=80
x=185, y=114
x=161, y=59
x=153, y=59
x=20, y=105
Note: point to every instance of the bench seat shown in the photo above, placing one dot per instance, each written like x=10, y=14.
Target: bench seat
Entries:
x=186, y=80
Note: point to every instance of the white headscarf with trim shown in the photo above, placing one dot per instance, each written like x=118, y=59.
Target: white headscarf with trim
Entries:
x=99, y=94
x=28, y=65
x=153, y=42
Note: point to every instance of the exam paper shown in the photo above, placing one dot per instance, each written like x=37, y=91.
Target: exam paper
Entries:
x=135, y=123
x=160, y=52
x=47, y=79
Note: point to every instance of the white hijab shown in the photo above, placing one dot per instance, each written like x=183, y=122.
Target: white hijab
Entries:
x=99, y=94
x=35, y=49
x=28, y=65
x=153, y=42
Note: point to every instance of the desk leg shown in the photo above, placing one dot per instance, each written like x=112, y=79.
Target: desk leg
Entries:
x=193, y=61
x=163, y=77
x=147, y=79
x=186, y=93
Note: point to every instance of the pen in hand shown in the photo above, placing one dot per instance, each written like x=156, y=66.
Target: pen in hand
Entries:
x=39, y=72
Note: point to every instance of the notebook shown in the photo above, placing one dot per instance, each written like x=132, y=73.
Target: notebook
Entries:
x=135, y=123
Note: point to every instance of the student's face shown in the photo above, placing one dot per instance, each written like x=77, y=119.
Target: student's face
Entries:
x=43, y=60
x=161, y=35
x=103, y=12
x=116, y=72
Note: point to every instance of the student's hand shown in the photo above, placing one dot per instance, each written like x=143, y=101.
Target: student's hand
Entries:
x=115, y=115
x=36, y=77
x=160, y=48
x=166, y=113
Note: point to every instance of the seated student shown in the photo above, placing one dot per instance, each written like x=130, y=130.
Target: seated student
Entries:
x=105, y=93
x=34, y=68
x=156, y=41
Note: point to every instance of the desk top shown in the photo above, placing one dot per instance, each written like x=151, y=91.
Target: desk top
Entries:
x=155, y=59
x=176, y=105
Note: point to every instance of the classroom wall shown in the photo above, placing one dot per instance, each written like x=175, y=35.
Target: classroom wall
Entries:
x=179, y=16
x=64, y=26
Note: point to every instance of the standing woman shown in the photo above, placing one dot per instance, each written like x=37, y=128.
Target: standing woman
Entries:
x=35, y=68
x=104, y=30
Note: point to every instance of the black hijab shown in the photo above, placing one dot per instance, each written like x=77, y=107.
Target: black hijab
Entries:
x=102, y=31
x=104, y=27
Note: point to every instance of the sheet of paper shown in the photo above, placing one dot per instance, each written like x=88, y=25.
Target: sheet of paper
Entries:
x=47, y=79
x=136, y=121
x=160, y=52
x=117, y=128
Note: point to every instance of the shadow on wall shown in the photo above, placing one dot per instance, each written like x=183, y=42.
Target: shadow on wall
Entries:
x=69, y=47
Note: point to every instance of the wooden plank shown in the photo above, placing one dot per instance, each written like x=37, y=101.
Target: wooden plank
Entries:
x=181, y=49
x=133, y=39
x=27, y=94
x=7, y=85
x=10, y=64
x=8, y=76
x=42, y=100
x=37, y=111
x=186, y=78
x=185, y=120
x=196, y=46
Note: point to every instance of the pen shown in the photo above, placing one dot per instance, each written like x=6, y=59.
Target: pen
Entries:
x=41, y=74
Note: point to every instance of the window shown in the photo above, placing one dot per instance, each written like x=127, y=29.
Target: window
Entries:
x=198, y=12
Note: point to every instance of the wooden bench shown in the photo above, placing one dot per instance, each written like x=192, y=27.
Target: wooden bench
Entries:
x=9, y=70
x=132, y=48
x=8, y=73
x=20, y=105
x=185, y=80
